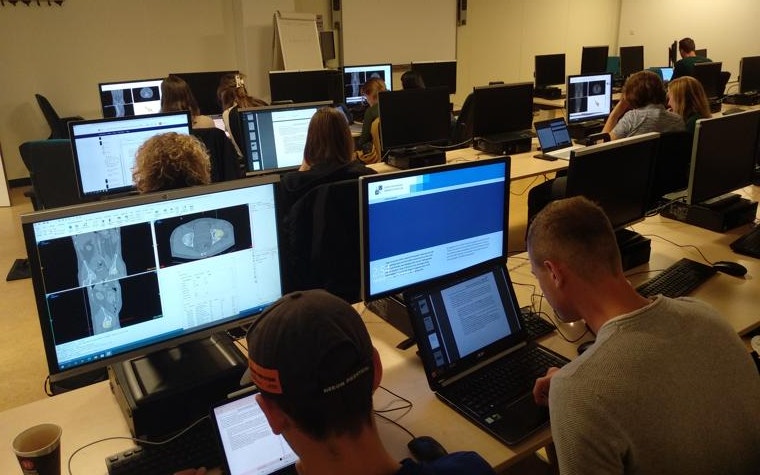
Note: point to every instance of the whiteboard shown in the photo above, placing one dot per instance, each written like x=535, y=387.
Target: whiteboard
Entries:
x=398, y=31
x=298, y=41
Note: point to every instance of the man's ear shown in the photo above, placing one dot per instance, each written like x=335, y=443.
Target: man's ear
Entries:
x=378, y=369
x=555, y=272
x=276, y=418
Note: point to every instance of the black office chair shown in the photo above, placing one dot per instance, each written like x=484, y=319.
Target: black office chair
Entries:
x=59, y=128
x=671, y=166
x=236, y=129
x=722, y=82
x=51, y=170
x=463, y=126
x=320, y=241
x=225, y=163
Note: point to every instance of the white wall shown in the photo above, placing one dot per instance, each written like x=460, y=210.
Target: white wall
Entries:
x=727, y=28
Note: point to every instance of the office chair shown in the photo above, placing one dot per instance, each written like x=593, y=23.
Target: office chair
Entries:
x=671, y=165
x=236, y=129
x=59, y=128
x=321, y=241
x=51, y=171
x=463, y=126
x=225, y=162
x=722, y=81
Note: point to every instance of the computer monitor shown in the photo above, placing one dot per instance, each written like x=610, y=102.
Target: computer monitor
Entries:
x=412, y=117
x=589, y=97
x=723, y=156
x=673, y=54
x=549, y=70
x=701, y=52
x=438, y=73
x=128, y=98
x=204, y=86
x=121, y=278
x=594, y=59
x=631, y=60
x=709, y=75
x=749, y=74
x=354, y=78
x=312, y=85
x=104, y=149
x=502, y=108
x=426, y=223
x=616, y=175
x=274, y=136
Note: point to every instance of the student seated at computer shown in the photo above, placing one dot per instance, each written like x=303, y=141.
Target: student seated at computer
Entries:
x=687, y=98
x=370, y=91
x=688, y=51
x=641, y=108
x=177, y=96
x=321, y=400
x=668, y=386
x=232, y=93
x=170, y=161
x=412, y=80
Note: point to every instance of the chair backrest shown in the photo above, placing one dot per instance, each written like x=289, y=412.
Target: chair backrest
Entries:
x=58, y=128
x=463, y=127
x=671, y=165
x=225, y=163
x=51, y=170
x=722, y=82
x=321, y=241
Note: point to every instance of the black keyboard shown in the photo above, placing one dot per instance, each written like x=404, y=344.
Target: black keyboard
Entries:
x=197, y=448
x=503, y=380
x=749, y=243
x=534, y=325
x=677, y=280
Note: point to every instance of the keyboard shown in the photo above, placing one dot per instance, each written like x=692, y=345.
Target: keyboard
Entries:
x=677, y=280
x=197, y=448
x=748, y=244
x=534, y=325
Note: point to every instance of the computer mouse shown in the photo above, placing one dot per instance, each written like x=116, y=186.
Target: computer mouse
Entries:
x=426, y=449
x=731, y=268
x=584, y=346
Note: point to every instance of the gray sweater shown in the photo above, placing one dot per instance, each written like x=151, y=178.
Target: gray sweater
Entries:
x=651, y=118
x=669, y=389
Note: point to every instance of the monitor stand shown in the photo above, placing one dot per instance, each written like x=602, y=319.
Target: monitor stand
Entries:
x=167, y=390
x=635, y=249
x=393, y=310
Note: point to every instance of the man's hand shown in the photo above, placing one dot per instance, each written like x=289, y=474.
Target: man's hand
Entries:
x=541, y=388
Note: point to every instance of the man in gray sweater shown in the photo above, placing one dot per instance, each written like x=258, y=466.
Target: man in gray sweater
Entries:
x=668, y=386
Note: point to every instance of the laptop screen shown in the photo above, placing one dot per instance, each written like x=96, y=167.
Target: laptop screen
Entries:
x=553, y=134
x=274, y=136
x=104, y=149
x=464, y=320
x=589, y=97
x=248, y=444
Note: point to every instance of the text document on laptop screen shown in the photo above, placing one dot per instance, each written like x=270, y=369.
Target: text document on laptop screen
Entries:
x=431, y=222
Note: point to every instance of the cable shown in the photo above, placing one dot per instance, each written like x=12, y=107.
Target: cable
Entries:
x=136, y=440
x=681, y=246
x=452, y=146
x=46, y=386
x=396, y=424
x=532, y=182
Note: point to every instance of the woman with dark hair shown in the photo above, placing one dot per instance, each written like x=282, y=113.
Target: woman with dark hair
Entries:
x=176, y=96
x=169, y=161
x=412, y=80
x=642, y=108
x=232, y=94
x=328, y=156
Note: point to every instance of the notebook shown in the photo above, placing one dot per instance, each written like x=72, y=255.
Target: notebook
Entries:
x=247, y=443
x=554, y=139
x=469, y=337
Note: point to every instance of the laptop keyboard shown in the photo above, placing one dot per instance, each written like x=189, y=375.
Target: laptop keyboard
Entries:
x=502, y=381
x=197, y=448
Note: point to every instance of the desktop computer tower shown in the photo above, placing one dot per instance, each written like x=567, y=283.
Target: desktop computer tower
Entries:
x=503, y=147
x=718, y=219
x=582, y=130
x=422, y=157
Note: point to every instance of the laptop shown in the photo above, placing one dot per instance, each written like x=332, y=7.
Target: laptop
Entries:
x=554, y=139
x=469, y=336
x=246, y=441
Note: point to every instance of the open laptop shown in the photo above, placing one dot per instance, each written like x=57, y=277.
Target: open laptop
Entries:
x=247, y=443
x=554, y=139
x=468, y=333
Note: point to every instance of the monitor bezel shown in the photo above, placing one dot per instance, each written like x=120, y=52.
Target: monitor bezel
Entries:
x=388, y=82
x=28, y=221
x=444, y=66
x=599, y=116
x=554, y=59
x=477, y=125
x=326, y=71
x=755, y=63
x=384, y=131
x=137, y=81
x=705, y=72
x=365, y=183
x=631, y=52
x=588, y=53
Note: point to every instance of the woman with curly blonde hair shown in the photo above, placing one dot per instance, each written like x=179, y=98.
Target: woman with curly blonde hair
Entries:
x=169, y=161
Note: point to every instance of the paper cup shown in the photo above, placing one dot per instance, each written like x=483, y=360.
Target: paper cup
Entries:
x=38, y=450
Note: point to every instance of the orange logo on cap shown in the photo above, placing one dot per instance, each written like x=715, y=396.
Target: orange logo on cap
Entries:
x=268, y=380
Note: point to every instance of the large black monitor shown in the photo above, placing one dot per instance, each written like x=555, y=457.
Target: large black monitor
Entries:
x=121, y=278
x=274, y=136
x=412, y=117
x=128, y=98
x=502, y=108
x=438, y=73
x=104, y=149
x=204, y=86
x=549, y=70
x=312, y=85
x=354, y=78
x=589, y=97
x=749, y=74
x=616, y=175
x=709, y=75
x=426, y=223
x=594, y=59
x=723, y=156
x=631, y=60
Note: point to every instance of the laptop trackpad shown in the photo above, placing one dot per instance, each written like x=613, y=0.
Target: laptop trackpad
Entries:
x=520, y=419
